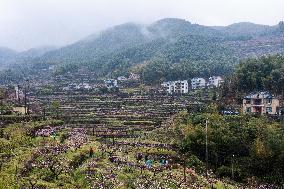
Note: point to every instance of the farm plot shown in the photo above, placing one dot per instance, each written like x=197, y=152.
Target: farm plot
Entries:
x=109, y=142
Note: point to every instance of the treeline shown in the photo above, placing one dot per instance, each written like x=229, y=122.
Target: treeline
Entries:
x=239, y=147
x=188, y=57
x=258, y=74
x=182, y=58
x=7, y=76
x=161, y=70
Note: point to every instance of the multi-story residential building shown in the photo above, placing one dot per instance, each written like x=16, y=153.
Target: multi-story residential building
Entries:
x=214, y=81
x=260, y=103
x=179, y=87
x=198, y=83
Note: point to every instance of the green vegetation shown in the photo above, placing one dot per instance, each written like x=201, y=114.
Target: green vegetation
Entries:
x=82, y=153
x=5, y=109
x=17, y=143
x=265, y=73
x=5, y=55
x=239, y=147
x=184, y=56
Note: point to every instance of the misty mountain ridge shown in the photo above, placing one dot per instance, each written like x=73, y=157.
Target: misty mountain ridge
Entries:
x=11, y=57
x=5, y=55
x=122, y=47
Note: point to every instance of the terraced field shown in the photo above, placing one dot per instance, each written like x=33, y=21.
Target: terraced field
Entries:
x=109, y=141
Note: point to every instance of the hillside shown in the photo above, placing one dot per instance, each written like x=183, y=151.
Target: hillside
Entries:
x=10, y=57
x=245, y=29
x=35, y=52
x=249, y=40
x=201, y=50
x=5, y=55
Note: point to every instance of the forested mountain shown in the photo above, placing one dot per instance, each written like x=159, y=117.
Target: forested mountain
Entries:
x=119, y=39
x=264, y=73
x=35, y=52
x=172, y=27
x=10, y=57
x=246, y=29
x=5, y=55
x=174, y=44
x=87, y=50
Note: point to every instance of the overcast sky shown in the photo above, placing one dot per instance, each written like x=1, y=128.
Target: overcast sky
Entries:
x=27, y=24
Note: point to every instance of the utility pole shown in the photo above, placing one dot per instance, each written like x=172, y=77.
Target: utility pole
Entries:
x=184, y=168
x=26, y=100
x=43, y=113
x=26, y=109
x=18, y=94
x=233, y=157
x=206, y=143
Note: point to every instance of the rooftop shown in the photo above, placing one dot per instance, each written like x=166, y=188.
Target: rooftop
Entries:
x=262, y=94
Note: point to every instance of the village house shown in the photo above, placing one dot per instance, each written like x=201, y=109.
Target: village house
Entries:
x=178, y=87
x=260, y=103
x=84, y=86
x=198, y=83
x=20, y=109
x=74, y=86
x=214, y=81
x=133, y=76
x=121, y=78
x=111, y=83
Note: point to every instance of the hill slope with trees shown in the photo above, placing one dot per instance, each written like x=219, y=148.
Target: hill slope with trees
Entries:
x=178, y=44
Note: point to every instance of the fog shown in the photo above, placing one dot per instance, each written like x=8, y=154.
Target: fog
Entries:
x=28, y=24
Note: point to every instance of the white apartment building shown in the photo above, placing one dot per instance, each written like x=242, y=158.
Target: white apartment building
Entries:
x=198, y=83
x=179, y=87
x=215, y=81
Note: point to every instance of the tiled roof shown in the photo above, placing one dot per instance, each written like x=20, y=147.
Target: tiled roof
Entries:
x=262, y=94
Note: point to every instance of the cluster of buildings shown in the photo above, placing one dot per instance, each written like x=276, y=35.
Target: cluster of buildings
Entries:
x=181, y=86
x=75, y=86
x=15, y=99
x=113, y=83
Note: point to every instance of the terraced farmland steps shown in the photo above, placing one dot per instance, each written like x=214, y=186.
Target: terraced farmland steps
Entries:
x=111, y=109
x=113, y=116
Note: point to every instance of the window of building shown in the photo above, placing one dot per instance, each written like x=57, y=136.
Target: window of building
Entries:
x=269, y=100
x=257, y=101
x=269, y=109
x=249, y=109
x=247, y=101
